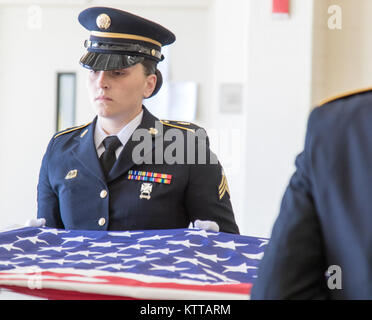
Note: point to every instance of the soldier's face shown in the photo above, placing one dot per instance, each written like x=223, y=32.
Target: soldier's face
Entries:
x=118, y=94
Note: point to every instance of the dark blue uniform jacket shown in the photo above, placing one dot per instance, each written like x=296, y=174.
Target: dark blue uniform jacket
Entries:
x=74, y=194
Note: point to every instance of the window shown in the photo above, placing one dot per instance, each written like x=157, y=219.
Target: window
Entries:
x=66, y=100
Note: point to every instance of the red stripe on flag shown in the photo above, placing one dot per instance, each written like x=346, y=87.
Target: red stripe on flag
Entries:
x=55, y=294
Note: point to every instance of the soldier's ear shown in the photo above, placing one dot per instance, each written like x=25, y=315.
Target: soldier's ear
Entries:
x=150, y=85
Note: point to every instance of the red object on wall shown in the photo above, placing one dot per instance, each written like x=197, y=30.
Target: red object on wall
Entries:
x=281, y=6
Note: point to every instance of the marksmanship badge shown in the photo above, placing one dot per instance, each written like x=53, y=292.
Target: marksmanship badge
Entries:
x=146, y=189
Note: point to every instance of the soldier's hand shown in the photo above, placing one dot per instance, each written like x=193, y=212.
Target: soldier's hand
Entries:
x=206, y=225
x=37, y=223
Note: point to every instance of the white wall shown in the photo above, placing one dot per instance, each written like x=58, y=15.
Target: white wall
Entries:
x=342, y=57
x=227, y=130
x=278, y=103
x=29, y=60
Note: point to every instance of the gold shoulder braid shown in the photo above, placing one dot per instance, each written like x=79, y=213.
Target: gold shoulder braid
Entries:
x=71, y=129
x=344, y=95
x=178, y=125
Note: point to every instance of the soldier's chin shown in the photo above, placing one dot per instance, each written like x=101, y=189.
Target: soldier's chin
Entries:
x=104, y=111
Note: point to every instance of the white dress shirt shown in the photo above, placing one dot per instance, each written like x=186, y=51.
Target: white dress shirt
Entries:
x=124, y=135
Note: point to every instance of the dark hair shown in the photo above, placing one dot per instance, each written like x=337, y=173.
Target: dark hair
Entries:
x=150, y=67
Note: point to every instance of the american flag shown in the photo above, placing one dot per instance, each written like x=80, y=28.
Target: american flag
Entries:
x=145, y=264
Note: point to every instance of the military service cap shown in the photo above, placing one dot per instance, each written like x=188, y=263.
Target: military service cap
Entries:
x=119, y=39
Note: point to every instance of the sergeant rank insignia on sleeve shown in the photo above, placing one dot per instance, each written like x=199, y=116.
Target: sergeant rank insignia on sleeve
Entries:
x=223, y=186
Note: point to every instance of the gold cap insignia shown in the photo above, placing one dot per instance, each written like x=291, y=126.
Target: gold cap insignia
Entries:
x=153, y=131
x=71, y=174
x=103, y=21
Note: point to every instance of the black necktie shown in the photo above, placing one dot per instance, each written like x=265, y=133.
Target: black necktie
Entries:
x=108, y=158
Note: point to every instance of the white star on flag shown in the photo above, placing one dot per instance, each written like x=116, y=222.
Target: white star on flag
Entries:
x=163, y=251
x=157, y=237
x=107, y=244
x=53, y=231
x=220, y=276
x=10, y=246
x=33, y=240
x=141, y=258
x=167, y=268
x=15, y=266
x=193, y=261
x=88, y=261
x=264, y=242
x=136, y=246
x=28, y=256
x=6, y=263
x=123, y=233
x=116, y=266
x=59, y=261
x=76, y=239
x=201, y=233
x=254, y=256
x=58, y=249
x=185, y=243
x=229, y=244
x=112, y=255
x=197, y=276
x=212, y=257
x=81, y=253
x=240, y=268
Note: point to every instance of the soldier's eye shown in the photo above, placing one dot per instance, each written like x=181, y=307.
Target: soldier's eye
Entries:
x=93, y=72
x=117, y=73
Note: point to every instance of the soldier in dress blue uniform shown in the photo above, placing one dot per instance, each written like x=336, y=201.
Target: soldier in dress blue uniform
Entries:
x=92, y=176
x=320, y=246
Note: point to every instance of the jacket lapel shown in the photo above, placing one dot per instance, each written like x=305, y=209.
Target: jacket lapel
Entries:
x=85, y=151
x=125, y=160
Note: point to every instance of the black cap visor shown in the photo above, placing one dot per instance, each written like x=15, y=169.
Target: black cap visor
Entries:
x=108, y=61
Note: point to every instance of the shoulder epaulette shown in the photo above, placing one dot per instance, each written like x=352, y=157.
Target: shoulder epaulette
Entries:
x=188, y=126
x=345, y=95
x=71, y=130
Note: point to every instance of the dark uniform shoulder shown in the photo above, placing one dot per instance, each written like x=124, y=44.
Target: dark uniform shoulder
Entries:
x=338, y=113
x=345, y=95
x=72, y=129
x=184, y=125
